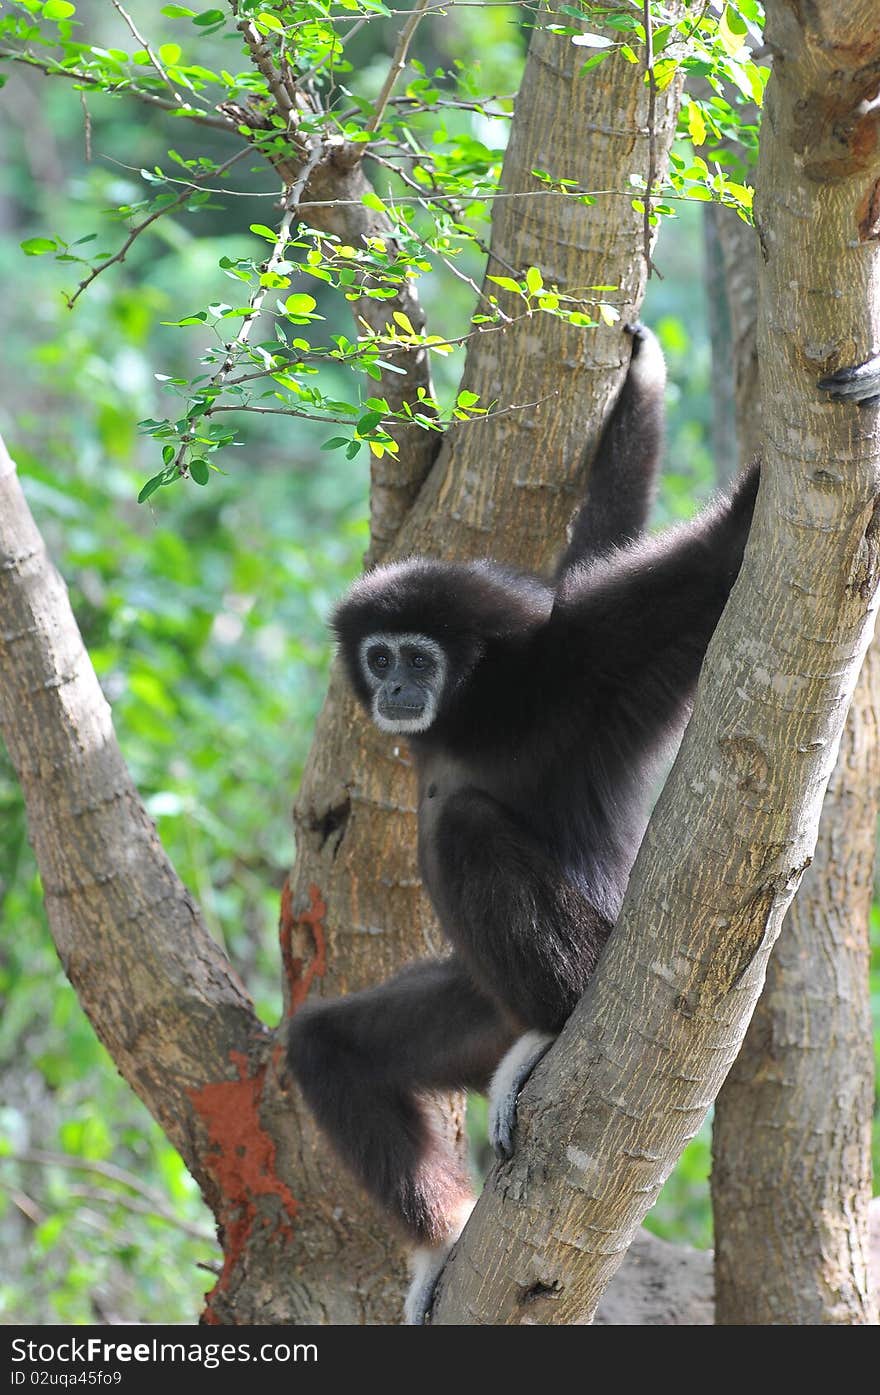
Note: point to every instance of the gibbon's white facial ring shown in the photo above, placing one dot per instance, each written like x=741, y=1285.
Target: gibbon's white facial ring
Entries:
x=405, y=674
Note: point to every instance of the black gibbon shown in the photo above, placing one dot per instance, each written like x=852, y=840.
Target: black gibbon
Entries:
x=535, y=709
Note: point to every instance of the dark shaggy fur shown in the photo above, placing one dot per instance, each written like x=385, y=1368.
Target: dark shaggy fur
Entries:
x=532, y=784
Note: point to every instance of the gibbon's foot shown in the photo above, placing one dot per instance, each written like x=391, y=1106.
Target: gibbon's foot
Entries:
x=511, y=1075
x=426, y=1265
x=648, y=366
x=860, y=383
x=639, y=333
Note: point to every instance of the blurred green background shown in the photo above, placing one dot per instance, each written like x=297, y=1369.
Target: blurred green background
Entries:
x=205, y=615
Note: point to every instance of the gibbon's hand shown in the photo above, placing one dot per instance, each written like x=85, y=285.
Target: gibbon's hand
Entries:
x=860, y=384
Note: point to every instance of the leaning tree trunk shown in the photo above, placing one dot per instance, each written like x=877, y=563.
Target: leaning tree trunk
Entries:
x=791, y=1174
x=610, y=1108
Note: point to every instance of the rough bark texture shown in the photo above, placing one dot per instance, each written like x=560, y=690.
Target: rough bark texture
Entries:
x=160, y=993
x=611, y=1107
x=506, y=489
x=663, y=1285
x=791, y=1178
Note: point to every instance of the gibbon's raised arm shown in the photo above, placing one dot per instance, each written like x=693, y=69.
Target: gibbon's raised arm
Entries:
x=621, y=487
x=635, y=625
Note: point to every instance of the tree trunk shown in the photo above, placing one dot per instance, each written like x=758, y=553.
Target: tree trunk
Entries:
x=791, y=1176
x=610, y=1108
x=791, y=1232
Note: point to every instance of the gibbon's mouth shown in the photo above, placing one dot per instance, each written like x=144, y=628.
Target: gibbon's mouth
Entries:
x=400, y=711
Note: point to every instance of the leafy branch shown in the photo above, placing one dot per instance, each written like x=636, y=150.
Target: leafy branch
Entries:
x=160, y=211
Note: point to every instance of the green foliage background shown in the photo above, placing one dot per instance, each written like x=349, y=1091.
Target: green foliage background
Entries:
x=205, y=615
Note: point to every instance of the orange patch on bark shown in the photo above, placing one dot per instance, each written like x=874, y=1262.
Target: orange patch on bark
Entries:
x=241, y=1159
x=299, y=975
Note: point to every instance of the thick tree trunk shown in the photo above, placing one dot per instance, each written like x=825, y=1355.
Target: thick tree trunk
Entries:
x=663, y=1285
x=610, y=1108
x=791, y=1177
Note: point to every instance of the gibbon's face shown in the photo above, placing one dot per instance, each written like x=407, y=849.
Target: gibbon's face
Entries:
x=405, y=675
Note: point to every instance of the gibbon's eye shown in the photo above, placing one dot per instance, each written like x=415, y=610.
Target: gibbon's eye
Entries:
x=418, y=661
x=378, y=659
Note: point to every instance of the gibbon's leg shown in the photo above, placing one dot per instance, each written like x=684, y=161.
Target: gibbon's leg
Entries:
x=529, y=935
x=366, y=1065
x=858, y=384
x=620, y=489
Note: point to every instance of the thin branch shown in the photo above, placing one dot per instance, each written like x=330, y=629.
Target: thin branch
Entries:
x=349, y=421
x=416, y=105
x=148, y=50
x=202, y=118
x=263, y=60
x=291, y=209
x=87, y=126
x=110, y=1172
x=193, y=186
x=143, y=1208
x=398, y=62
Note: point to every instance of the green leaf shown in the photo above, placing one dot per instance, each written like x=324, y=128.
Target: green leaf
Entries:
x=507, y=284
x=170, y=53
x=177, y=12
x=467, y=399
x=38, y=246
x=371, y=200
x=262, y=231
x=270, y=22
x=335, y=443
x=58, y=9
x=534, y=280
x=150, y=487
x=368, y=422
x=300, y=304
x=208, y=17
x=199, y=471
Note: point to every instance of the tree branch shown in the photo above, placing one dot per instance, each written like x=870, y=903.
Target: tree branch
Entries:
x=159, y=992
x=398, y=63
x=141, y=227
x=202, y=118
